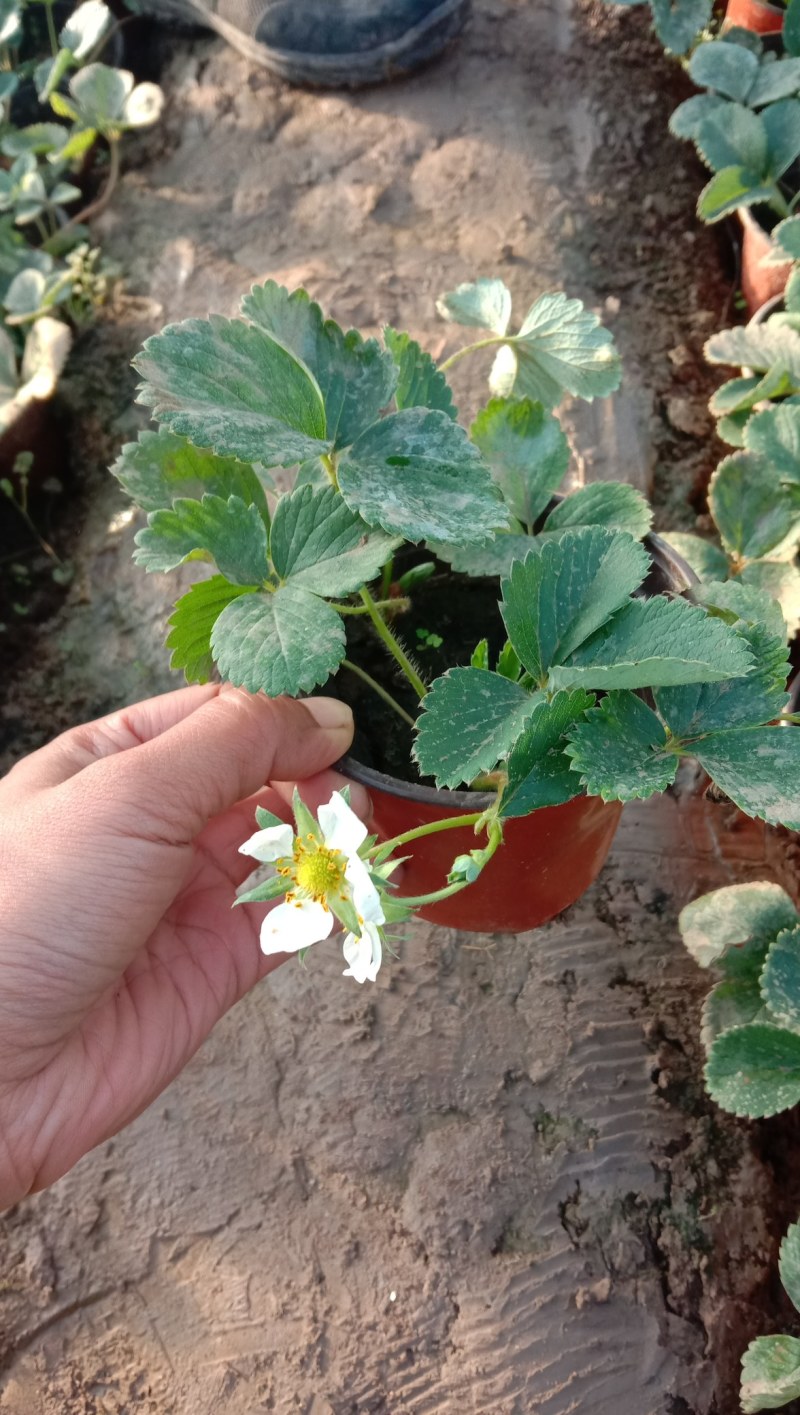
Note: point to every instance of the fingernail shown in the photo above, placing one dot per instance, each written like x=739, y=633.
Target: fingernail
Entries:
x=329, y=713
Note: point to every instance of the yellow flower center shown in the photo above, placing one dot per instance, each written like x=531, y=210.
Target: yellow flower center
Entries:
x=319, y=872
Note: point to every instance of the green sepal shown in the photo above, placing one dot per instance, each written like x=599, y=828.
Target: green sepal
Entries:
x=262, y=893
x=265, y=820
x=305, y=821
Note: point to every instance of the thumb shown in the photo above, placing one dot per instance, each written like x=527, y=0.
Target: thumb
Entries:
x=224, y=751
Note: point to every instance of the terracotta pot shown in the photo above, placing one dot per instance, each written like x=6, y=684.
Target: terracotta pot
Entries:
x=759, y=282
x=547, y=859
x=754, y=15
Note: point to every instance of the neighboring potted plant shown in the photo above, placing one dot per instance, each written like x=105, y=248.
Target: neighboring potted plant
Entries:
x=746, y=129
x=46, y=265
x=536, y=710
x=750, y=935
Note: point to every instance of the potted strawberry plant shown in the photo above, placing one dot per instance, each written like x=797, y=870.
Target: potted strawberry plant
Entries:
x=383, y=564
x=745, y=126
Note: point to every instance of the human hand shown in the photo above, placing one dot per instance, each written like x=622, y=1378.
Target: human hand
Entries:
x=119, y=950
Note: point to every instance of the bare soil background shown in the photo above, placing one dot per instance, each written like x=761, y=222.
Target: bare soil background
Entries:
x=491, y=1183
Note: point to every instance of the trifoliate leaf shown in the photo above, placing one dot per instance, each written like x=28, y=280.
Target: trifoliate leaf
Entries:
x=770, y=1373
x=754, y=1070
x=228, y=386
x=610, y=503
x=727, y=68
x=419, y=383
x=656, y=643
x=736, y=600
x=561, y=348
x=319, y=543
x=619, y=750
x=775, y=434
x=734, y=920
x=732, y=1003
x=678, y=22
x=480, y=304
x=286, y=642
x=191, y=622
x=781, y=580
x=705, y=558
x=756, y=346
x=754, y=513
x=539, y=772
x=564, y=590
x=527, y=451
x=356, y=376
x=160, y=467
x=99, y=93
x=416, y=474
x=699, y=708
x=780, y=980
x=231, y=533
x=470, y=721
x=729, y=189
x=759, y=768
x=733, y=137
x=789, y=1264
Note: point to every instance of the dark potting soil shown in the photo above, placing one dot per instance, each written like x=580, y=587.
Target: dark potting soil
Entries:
x=457, y=609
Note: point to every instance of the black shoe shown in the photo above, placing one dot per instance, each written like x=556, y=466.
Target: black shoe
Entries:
x=330, y=43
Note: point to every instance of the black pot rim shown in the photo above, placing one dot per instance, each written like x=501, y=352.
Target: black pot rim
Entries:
x=674, y=568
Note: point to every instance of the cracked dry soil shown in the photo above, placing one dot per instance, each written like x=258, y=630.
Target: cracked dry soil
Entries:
x=492, y=1183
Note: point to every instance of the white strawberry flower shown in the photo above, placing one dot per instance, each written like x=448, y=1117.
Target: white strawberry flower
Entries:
x=326, y=878
x=363, y=954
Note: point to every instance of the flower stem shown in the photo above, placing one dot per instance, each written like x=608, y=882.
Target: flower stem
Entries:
x=382, y=693
x=101, y=202
x=384, y=632
x=51, y=29
x=418, y=901
x=470, y=349
x=385, y=849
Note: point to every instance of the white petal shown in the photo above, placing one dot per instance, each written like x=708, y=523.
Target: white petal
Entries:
x=271, y=844
x=363, y=955
x=297, y=923
x=341, y=828
x=366, y=899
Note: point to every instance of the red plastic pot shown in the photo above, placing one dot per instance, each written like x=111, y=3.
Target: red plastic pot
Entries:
x=754, y=15
x=547, y=860
x=759, y=282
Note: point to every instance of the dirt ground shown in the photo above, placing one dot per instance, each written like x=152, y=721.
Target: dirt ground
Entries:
x=492, y=1183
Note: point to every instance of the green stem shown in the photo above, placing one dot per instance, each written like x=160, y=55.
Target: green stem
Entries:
x=329, y=464
x=386, y=577
x=382, y=693
x=382, y=851
x=779, y=203
x=471, y=349
x=418, y=901
x=399, y=605
x=384, y=632
x=51, y=29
